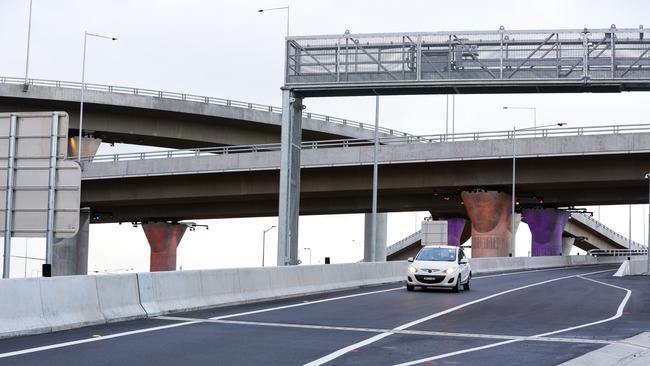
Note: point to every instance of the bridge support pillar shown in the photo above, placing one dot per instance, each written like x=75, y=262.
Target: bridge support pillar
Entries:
x=489, y=213
x=289, y=205
x=89, y=146
x=546, y=226
x=70, y=256
x=163, y=239
x=567, y=245
x=382, y=229
x=455, y=230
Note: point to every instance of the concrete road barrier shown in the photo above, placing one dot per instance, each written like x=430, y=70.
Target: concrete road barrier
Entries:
x=632, y=268
x=119, y=297
x=21, y=310
x=70, y=301
x=46, y=304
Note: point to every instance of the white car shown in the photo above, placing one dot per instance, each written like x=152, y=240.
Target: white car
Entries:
x=439, y=266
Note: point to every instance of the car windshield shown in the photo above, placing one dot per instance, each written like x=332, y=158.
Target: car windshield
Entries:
x=437, y=254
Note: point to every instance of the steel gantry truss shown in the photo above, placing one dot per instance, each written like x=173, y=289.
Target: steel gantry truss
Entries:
x=469, y=62
x=502, y=61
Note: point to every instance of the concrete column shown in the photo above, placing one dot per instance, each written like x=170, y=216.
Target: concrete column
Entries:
x=546, y=226
x=89, y=146
x=455, y=229
x=289, y=198
x=70, y=256
x=382, y=229
x=163, y=238
x=567, y=245
x=489, y=213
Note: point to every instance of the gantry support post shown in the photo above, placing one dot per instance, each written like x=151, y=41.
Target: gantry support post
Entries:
x=289, y=202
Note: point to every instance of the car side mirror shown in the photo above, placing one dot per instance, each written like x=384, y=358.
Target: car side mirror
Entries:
x=410, y=260
x=463, y=261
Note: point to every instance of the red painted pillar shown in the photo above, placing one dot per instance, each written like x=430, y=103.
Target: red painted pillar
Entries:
x=489, y=213
x=163, y=239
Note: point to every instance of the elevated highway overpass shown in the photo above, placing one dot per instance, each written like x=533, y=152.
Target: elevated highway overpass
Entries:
x=565, y=167
x=169, y=119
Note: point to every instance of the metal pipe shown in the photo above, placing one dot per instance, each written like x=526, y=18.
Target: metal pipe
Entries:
x=512, y=213
x=9, y=197
x=29, y=34
x=647, y=176
x=373, y=227
x=51, y=194
x=264, y=242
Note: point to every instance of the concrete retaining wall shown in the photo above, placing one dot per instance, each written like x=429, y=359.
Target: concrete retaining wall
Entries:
x=632, y=267
x=40, y=305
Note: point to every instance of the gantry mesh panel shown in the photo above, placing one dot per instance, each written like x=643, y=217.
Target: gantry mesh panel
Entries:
x=492, y=56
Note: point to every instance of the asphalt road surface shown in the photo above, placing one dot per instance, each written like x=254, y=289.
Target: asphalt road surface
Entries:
x=541, y=317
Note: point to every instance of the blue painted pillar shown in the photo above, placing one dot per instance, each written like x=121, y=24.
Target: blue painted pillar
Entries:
x=546, y=226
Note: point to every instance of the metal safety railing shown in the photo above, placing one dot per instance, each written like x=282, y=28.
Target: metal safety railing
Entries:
x=600, y=225
x=616, y=252
x=324, y=144
x=194, y=98
x=486, y=56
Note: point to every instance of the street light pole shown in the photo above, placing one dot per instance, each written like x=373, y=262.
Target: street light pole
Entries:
x=534, y=109
x=264, y=242
x=373, y=227
x=29, y=34
x=279, y=8
x=83, y=88
x=514, y=167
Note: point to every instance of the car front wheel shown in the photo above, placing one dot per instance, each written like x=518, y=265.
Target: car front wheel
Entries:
x=466, y=285
x=456, y=287
x=409, y=287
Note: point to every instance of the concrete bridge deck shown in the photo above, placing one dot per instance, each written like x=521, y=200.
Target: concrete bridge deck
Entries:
x=169, y=119
x=382, y=325
x=416, y=174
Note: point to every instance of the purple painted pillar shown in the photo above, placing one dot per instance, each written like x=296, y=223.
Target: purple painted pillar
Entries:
x=455, y=228
x=546, y=226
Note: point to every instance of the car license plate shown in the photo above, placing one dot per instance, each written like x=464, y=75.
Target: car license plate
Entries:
x=429, y=278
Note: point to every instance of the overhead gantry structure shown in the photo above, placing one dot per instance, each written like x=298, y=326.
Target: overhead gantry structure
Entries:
x=502, y=61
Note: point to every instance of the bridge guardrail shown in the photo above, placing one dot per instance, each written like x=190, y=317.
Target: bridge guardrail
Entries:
x=193, y=98
x=342, y=143
x=616, y=252
x=600, y=225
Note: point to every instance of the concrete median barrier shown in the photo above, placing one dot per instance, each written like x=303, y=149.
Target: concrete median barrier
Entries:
x=70, y=302
x=119, y=297
x=21, y=310
x=164, y=292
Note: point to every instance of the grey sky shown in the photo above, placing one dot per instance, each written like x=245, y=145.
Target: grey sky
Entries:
x=227, y=49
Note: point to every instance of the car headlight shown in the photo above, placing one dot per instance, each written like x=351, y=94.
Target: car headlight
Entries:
x=412, y=269
x=450, y=270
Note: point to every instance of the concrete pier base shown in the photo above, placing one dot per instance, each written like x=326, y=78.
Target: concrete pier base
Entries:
x=546, y=226
x=382, y=230
x=567, y=245
x=489, y=213
x=164, y=238
x=70, y=256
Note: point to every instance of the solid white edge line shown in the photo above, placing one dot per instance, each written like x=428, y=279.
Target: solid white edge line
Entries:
x=342, y=351
x=619, y=313
x=89, y=340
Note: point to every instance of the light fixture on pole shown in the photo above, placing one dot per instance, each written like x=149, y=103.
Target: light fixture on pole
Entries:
x=83, y=87
x=514, y=158
x=264, y=242
x=534, y=109
x=280, y=8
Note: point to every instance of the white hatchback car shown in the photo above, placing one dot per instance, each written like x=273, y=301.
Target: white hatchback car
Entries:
x=439, y=266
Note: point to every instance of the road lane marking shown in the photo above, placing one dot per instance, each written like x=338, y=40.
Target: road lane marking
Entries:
x=618, y=314
x=303, y=304
x=342, y=351
x=393, y=331
x=93, y=339
x=152, y=329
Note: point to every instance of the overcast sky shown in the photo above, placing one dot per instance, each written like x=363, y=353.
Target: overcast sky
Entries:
x=227, y=49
